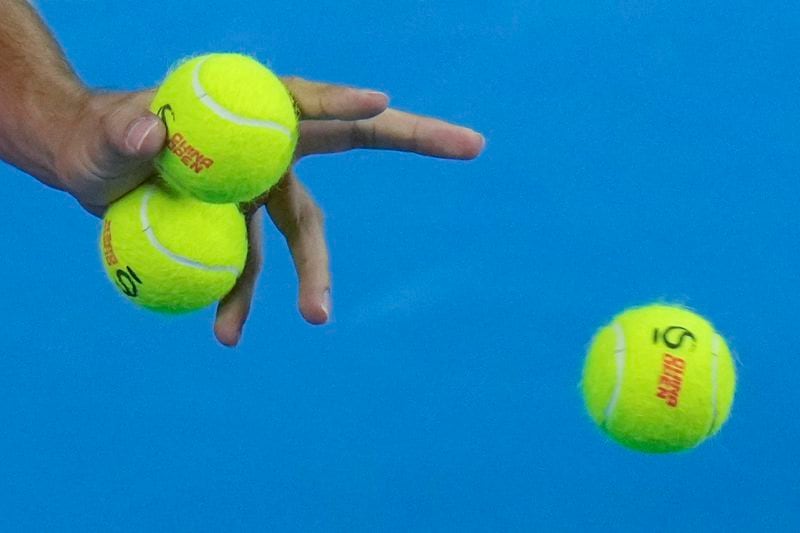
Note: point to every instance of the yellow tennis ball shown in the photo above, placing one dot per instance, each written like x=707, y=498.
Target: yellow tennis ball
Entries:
x=659, y=378
x=231, y=127
x=170, y=252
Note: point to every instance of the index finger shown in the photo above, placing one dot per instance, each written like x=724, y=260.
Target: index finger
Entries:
x=391, y=130
x=324, y=101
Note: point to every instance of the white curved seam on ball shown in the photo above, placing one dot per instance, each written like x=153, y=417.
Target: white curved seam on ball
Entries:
x=185, y=261
x=228, y=115
x=715, y=346
x=619, y=358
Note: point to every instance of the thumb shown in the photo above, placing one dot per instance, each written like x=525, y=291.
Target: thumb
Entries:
x=114, y=148
x=132, y=132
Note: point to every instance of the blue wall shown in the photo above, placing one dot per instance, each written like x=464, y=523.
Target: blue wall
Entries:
x=636, y=151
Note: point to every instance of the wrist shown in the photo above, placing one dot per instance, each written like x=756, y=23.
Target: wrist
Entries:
x=35, y=127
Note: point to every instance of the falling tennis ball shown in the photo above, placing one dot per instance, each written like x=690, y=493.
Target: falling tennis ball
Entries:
x=659, y=378
x=170, y=252
x=231, y=127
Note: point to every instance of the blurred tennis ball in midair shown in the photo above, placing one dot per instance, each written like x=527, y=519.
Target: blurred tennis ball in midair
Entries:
x=659, y=378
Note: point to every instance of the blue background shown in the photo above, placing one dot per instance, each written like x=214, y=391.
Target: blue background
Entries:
x=637, y=150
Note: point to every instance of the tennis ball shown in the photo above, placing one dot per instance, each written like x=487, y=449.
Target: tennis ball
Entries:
x=659, y=378
x=231, y=127
x=170, y=252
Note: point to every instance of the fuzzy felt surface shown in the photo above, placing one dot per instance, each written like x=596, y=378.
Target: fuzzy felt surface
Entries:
x=659, y=379
x=231, y=127
x=187, y=256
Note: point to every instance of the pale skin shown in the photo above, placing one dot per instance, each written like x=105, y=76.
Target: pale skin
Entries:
x=96, y=146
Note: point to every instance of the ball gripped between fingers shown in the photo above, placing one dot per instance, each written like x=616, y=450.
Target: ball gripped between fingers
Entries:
x=167, y=251
x=232, y=127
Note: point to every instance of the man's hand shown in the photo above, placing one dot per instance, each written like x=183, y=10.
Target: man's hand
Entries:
x=98, y=146
x=108, y=148
x=334, y=118
x=113, y=139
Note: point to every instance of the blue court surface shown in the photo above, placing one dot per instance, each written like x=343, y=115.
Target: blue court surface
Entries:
x=637, y=151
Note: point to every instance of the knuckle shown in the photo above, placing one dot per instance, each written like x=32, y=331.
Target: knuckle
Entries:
x=310, y=214
x=305, y=220
x=363, y=133
x=322, y=105
x=292, y=80
x=356, y=135
x=256, y=261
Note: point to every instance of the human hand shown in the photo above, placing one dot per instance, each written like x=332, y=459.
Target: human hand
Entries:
x=334, y=118
x=114, y=139
x=98, y=146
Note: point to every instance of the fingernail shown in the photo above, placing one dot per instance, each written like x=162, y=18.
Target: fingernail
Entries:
x=377, y=93
x=326, y=304
x=137, y=132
